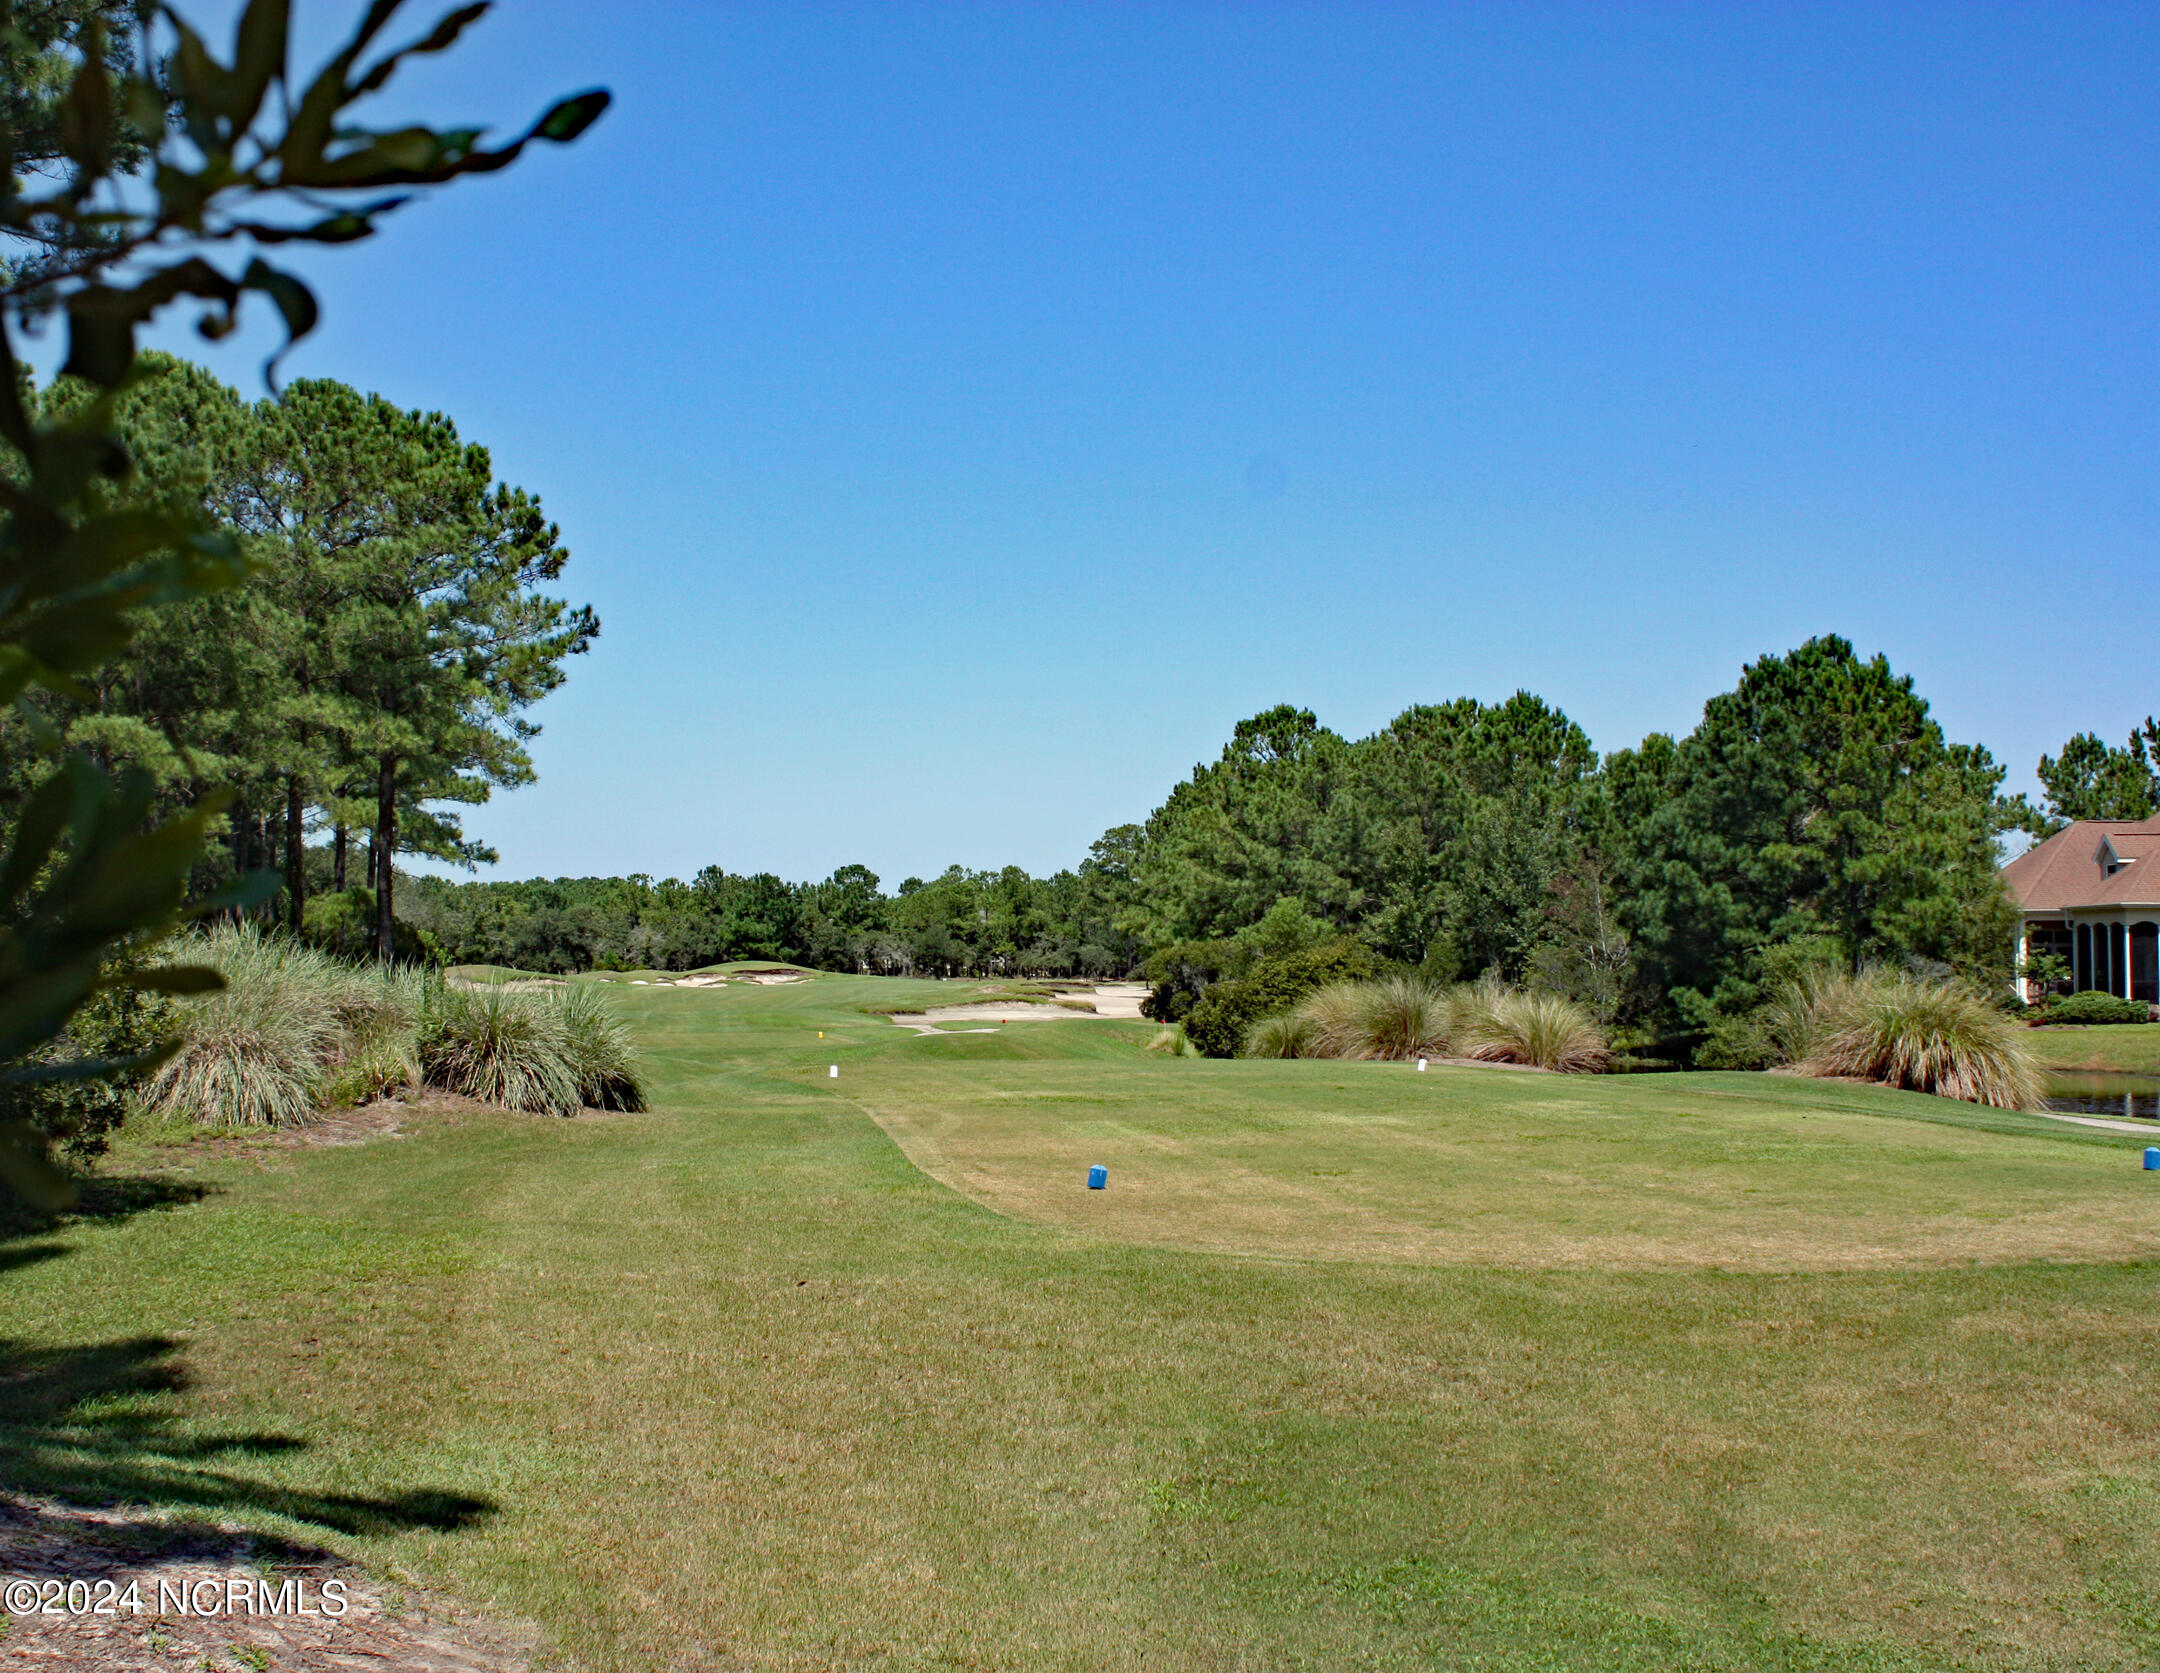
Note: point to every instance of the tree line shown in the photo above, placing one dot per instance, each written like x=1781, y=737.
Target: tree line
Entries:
x=372, y=674
x=1817, y=812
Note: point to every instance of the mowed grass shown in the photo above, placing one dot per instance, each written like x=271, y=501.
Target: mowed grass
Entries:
x=735, y=1384
x=1493, y=1166
x=2124, y=1048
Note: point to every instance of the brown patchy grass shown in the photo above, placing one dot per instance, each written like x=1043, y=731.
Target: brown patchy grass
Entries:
x=1336, y=1161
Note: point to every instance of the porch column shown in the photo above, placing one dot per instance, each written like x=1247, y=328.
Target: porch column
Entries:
x=2018, y=984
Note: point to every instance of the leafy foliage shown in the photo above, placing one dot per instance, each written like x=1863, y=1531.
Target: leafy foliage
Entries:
x=2091, y=781
x=1218, y=1023
x=2095, y=1007
x=1817, y=799
x=240, y=152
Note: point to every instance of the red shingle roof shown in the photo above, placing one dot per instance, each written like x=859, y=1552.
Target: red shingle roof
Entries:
x=2070, y=868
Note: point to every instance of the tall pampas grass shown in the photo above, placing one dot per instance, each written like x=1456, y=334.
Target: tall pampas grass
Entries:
x=1924, y=1036
x=1289, y=1035
x=1401, y=1017
x=262, y=1051
x=598, y=1048
x=501, y=1048
x=1502, y=1025
x=1335, y=1016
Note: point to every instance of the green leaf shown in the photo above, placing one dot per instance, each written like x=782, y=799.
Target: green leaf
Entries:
x=86, y=117
x=294, y=301
x=572, y=116
x=258, y=57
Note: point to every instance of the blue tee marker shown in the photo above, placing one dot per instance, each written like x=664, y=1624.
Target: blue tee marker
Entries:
x=2152, y=1160
x=1099, y=1176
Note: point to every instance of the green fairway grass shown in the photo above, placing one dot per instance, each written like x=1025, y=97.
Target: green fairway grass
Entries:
x=1351, y=1367
x=2125, y=1047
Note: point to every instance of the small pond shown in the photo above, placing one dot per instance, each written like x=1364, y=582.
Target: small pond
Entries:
x=2091, y=1092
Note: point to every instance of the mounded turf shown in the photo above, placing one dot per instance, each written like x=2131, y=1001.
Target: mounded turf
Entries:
x=734, y=1383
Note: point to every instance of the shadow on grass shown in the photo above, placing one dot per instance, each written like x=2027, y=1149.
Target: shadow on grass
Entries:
x=94, y=1426
x=99, y=1200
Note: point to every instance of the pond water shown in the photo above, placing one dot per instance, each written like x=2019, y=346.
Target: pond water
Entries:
x=2125, y=1097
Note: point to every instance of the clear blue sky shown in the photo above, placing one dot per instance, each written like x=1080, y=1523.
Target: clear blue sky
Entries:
x=962, y=415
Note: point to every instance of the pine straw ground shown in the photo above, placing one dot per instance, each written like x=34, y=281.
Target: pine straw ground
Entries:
x=384, y=1627
x=732, y=1384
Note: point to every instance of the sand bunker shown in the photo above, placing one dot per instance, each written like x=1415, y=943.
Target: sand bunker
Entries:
x=1119, y=1001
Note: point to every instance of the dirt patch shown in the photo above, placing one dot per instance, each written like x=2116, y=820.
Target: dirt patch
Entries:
x=266, y=1603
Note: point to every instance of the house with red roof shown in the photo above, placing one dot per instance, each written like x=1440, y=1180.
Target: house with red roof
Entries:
x=2091, y=894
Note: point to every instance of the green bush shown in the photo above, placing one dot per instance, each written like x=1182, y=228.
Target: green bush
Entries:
x=2094, y=1007
x=1217, y=1024
x=1178, y=975
x=79, y=1116
x=342, y=924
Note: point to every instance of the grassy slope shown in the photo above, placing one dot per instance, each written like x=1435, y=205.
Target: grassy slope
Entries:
x=2132, y=1047
x=734, y=1380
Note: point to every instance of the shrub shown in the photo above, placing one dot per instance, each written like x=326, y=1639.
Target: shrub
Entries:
x=254, y=1054
x=115, y=1025
x=502, y=1048
x=373, y=1069
x=1177, y=977
x=599, y=1049
x=2092, y=1007
x=1544, y=1030
x=1219, y=1022
x=1290, y=1035
x=1924, y=1036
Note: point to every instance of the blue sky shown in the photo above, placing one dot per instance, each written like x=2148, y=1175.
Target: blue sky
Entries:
x=962, y=415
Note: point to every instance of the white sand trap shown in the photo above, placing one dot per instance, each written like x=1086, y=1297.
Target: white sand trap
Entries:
x=1119, y=1001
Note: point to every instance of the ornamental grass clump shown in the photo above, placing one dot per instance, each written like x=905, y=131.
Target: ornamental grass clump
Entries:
x=600, y=1054
x=1401, y=1017
x=255, y=1053
x=502, y=1048
x=1289, y=1035
x=1926, y=1036
x=1544, y=1030
x=1336, y=1017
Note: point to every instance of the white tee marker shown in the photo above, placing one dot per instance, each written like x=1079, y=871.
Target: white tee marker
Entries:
x=833, y=1073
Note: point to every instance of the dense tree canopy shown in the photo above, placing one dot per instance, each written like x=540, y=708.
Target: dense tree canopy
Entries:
x=1817, y=799
x=376, y=670
x=1816, y=812
x=2091, y=781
